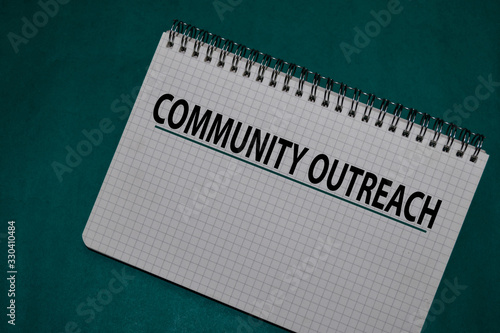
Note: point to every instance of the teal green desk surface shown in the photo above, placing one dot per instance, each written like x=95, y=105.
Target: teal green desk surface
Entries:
x=69, y=66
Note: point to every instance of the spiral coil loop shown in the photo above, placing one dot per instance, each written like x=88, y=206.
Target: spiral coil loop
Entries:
x=252, y=58
x=437, y=128
x=424, y=124
x=383, y=111
x=340, y=97
x=174, y=31
x=263, y=67
x=412, y=115
x=328, y=90
x=398, y=109
x=355, y=102
x=451, y=131
x=314, y=87
x=238, y=54
x=477, y=142
x=289, y=74
x=278, y=68
x=303, y=77
x=226, y=48
x=368, y=108
x=201, y=38
x=465, y=139
x=212, y=45
x=186, y=37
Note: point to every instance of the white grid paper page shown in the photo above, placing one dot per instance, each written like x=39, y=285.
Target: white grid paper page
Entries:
x=255, y=237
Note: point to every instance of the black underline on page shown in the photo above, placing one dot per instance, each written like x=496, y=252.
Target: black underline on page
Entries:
x=291, y=179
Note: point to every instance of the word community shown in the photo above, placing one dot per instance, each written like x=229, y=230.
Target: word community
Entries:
x=268, y=149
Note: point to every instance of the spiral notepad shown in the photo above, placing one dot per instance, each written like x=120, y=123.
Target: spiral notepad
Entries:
x=285, y=194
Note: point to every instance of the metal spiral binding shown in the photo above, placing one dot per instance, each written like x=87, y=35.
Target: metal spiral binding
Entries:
x=212, y=45
x=174, y=31
x=212, y=42
x=254, y=54
x=341, y=96
x=368, y=108
x=477, y=142
x=383, y=111
x=398, y=109
x=328, y=90
x=185, y=38
x=412, y=115
x=303, y=77
x=289, y=74
x=451, y=131
x=437, y=128
x=201, y=39
x=424, y=124
x=226, y=48
x=464, y=138
x=355, y=102
x=314, y=87
x=238, y=54
x=278, y=68
x=264, y=65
